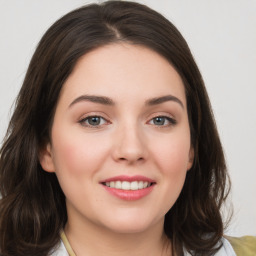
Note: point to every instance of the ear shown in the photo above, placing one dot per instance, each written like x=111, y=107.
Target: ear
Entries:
x=191, y=158
x=46, y=158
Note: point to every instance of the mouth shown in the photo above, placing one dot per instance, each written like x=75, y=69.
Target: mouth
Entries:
x=129, y=188
x=127, y=185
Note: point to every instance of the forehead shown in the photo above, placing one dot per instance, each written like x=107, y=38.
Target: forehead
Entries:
x=122, y=71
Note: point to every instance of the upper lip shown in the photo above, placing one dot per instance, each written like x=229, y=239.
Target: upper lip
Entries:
x=128, y=178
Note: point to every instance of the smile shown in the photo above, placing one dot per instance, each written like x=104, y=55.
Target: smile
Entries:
x=129, y=188
x=126, y=185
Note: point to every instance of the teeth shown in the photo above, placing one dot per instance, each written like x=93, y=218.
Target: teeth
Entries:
x=134, y=185
x=141, y=185
x=145, y=184
x=126, y=185
x=118, y=184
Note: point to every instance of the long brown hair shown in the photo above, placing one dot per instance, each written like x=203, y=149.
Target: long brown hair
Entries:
x=32, y=208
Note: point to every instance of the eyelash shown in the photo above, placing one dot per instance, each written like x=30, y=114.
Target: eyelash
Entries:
x=171, y=121
x=84, y=121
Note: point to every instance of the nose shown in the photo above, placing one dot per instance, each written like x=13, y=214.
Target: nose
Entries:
x=129, y=145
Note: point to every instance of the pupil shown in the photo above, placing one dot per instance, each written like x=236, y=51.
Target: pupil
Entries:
x=94, y=120
x=159, y=121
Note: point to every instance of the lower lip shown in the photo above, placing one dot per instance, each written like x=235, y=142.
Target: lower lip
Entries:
x=129, y=195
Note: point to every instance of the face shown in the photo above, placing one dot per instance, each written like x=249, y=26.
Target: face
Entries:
x=120, y=140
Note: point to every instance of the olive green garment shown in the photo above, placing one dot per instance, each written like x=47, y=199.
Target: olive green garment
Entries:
x=243, y=246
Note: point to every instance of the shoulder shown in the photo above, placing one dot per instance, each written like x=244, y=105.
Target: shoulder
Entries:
x=231, y=246
x=243, y=246
x=225, y=250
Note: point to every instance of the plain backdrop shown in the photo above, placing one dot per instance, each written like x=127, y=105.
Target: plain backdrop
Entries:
x=222, y=37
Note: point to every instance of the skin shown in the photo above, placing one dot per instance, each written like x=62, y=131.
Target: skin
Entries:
x=128, y=140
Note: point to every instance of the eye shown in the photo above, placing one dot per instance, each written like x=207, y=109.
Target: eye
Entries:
x=162, y=121
x=93, y=121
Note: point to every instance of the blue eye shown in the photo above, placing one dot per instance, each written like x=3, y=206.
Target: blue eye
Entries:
x=162, y=121
x=93, y=121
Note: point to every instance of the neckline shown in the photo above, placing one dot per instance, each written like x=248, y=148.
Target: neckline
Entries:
x=67, y=244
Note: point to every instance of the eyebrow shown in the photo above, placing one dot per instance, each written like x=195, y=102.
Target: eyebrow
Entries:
x=109, y=102
x=95, y=99
x=159, y=100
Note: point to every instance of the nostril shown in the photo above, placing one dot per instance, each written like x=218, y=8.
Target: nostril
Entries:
x=128, y=159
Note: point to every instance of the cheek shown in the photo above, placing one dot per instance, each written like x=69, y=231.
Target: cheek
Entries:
x=172, y=160
x=172, y=155
x=78, y=155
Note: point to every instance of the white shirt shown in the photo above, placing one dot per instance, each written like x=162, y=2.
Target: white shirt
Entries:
x=61, y=251
x=226, y=250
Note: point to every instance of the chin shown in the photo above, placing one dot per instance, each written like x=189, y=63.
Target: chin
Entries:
x=128, y=224
x=127, y=228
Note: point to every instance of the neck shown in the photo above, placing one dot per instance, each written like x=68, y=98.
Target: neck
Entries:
x=92, y=240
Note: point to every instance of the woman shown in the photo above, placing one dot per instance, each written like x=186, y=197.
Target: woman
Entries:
x=112, y=148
